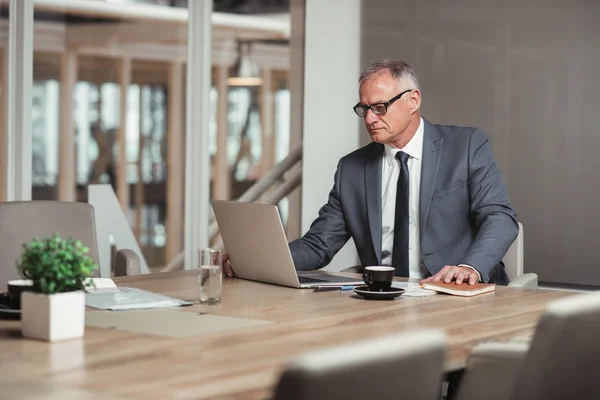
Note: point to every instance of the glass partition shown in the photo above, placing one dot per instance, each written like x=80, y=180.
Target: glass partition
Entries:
x=108, y=108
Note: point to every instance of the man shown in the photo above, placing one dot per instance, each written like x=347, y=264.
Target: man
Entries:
x=426, y=199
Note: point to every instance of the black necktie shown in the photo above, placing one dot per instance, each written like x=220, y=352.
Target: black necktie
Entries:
x=400, y=250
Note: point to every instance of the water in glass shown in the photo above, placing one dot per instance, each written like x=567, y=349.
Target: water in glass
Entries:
x=210, y=283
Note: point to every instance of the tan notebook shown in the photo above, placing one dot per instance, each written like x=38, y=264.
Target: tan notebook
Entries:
x=460, y=290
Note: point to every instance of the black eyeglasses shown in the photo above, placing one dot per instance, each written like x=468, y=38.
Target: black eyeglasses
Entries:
x=377, y=108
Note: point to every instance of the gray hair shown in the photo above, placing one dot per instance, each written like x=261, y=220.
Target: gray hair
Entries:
x=398, y=69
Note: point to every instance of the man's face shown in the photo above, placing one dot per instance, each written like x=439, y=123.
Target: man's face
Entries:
x=389, y=127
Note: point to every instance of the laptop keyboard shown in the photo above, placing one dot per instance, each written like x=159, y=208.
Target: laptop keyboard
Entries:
x=306, y=279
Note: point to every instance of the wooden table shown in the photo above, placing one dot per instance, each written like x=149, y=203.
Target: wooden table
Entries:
x=245, y=363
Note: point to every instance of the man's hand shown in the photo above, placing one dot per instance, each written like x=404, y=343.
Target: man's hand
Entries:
x=227, y=270
x=454, y=273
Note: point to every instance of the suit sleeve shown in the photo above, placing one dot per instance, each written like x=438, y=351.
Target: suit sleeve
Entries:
x=327, y=234
x=490, y=210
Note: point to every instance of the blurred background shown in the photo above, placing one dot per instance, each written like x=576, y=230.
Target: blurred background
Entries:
x=120, y=66
x=109, y=105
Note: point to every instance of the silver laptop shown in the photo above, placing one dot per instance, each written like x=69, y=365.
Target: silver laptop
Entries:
x=255, y=241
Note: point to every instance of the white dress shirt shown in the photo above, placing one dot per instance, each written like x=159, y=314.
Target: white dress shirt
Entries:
x=389, y=181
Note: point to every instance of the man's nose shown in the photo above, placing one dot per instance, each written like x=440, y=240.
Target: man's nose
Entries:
x=370, y=117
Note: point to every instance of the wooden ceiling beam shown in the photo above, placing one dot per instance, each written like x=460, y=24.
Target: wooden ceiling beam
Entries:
x=107, y=34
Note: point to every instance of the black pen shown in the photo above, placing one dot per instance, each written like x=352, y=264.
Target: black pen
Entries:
x=327, y=288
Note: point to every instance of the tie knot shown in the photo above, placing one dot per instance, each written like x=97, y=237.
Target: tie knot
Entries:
x=403, y=157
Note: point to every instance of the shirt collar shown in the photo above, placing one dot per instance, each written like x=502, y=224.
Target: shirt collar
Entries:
x=413, y=148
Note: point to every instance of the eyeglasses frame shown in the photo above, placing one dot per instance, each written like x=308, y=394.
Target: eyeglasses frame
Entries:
x=387, y=104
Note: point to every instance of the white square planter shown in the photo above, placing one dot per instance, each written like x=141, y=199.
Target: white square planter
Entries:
x=53, y=317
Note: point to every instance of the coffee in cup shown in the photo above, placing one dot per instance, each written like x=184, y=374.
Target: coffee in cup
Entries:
x=15, y=288
x=379, y=278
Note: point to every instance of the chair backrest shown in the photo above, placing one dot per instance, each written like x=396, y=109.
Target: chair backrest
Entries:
x=404, y=366
x=563, y=361
x=21, y=221
x=513, y=259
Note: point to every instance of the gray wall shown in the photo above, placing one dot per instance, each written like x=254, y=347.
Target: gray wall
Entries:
x=528, y=73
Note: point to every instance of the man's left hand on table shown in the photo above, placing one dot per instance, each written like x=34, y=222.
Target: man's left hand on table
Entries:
x=460, y=274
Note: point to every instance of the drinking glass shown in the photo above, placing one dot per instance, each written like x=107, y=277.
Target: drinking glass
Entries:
x=210, y=280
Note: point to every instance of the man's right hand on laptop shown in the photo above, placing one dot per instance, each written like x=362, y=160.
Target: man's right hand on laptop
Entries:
x=227, y=270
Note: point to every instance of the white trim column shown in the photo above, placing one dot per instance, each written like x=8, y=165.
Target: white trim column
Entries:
x=297, y=17
x=221, y=176
x=67, y=179
x=175, y=167
x=139, y=185
x=197, y=161
x=18, y=90
x=121, y=170
x=326, y=140
x=3, y=125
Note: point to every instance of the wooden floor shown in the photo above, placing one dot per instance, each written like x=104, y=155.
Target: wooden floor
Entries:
x=246, y=363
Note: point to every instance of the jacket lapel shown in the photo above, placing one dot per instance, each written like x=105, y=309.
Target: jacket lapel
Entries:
x=373, y=191
x=432, y=151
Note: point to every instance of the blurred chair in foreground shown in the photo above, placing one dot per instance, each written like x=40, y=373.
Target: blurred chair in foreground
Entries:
x=562, y=362
x=404, y=366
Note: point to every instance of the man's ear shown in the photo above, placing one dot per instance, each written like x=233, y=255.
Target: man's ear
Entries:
x=415, y=101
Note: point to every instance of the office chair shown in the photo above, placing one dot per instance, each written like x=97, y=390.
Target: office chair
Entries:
x=21, y=221
x=562, y=362
x=404, y=366
x=513, y=264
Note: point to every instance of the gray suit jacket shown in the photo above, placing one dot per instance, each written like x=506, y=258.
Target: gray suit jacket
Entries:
x=464, y=210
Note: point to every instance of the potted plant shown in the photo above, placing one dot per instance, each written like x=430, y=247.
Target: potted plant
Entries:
x=59, y=270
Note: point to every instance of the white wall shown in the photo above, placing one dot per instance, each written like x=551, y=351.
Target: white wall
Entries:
x=331, y=129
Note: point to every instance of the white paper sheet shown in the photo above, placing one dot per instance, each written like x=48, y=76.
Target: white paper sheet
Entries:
x=125, y=298
x=413, y=289
x=418, y=292
x=404, y=285
x=100, y=283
